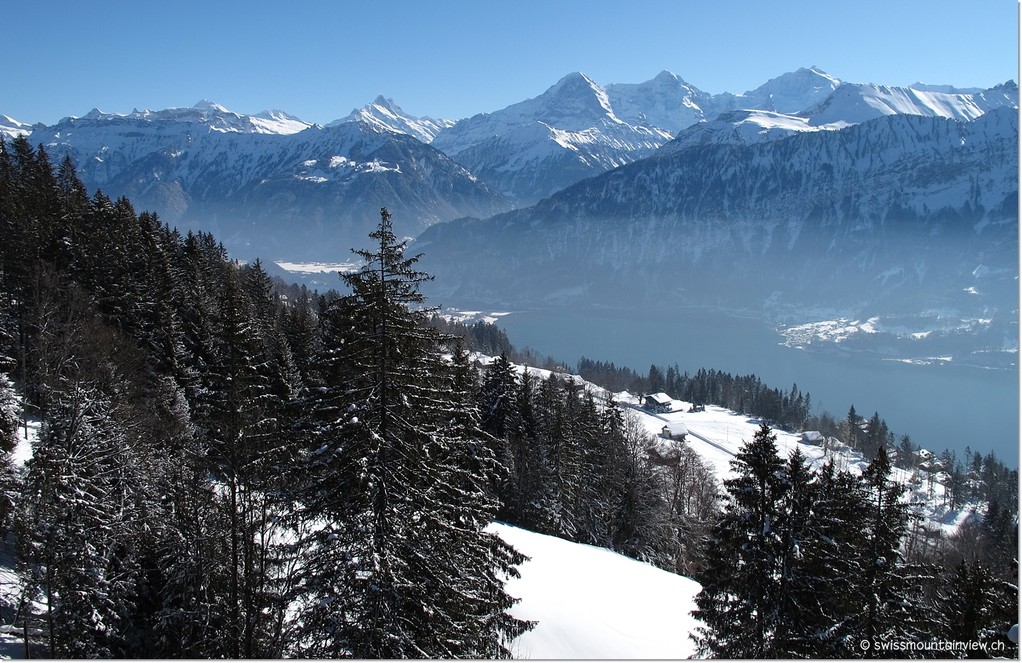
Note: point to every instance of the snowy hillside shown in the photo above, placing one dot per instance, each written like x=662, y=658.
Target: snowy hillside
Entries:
x=717, y=434
x=591, y=603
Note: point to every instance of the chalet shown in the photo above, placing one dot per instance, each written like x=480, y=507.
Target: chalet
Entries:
x=675, y=430
x=813, y=437
x=659, y=402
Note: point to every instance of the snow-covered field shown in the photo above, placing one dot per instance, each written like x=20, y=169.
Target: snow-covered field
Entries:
x=717, y=434
x=592, y=603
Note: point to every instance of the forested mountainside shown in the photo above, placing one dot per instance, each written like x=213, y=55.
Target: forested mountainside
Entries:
x=226, y=470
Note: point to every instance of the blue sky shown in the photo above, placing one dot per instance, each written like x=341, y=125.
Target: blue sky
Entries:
x=454, y=58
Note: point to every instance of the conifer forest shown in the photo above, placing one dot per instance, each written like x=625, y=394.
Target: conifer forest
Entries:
x=229, y=466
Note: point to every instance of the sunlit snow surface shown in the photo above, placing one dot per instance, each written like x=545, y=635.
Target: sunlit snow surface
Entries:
x=317, y=267
x=593, y=603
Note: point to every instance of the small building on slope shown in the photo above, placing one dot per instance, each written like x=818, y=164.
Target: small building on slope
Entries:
x=659, y=402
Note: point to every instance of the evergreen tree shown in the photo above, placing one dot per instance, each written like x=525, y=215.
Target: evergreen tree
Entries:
x=527, y=499
x=80, y=527
x=974, y=606
x=887, y=610
x=739, y=597
x=399, y=477
x=839, y=512
x=798, y=617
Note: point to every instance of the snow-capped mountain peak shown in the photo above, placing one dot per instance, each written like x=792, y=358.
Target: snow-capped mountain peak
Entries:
x=793, y=91
x=211, y=107
x=666, y=101
x=278, y=122
x=384, y=114
x=576, y=97
x=537, y=146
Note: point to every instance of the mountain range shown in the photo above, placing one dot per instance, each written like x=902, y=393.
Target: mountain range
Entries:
x=804, y=191
x=269, y=184
x=274, y=184
x=869, y=214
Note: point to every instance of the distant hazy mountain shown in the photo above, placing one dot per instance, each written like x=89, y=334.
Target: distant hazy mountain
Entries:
x=902, y=211
x=268, y=184
x=577, y=129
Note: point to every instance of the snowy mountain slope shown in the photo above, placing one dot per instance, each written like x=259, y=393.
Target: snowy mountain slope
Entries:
x=591, y=603
x=11, y=128
x=577, y=128
x=536, y=147
x=897, y=212
x=847, y=105
x=385, y=114
x=741, y=127
x=853, y=103
x=666, y=101
x=788, y=93
x=310, y=194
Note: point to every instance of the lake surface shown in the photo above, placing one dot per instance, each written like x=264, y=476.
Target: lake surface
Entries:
x=939, y=406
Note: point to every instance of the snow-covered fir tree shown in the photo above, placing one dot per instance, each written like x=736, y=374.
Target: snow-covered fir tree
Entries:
x=399, y=481
x=740, y=591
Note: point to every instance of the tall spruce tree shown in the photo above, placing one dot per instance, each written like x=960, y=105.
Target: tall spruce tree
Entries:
x=738, y=602
x=399, y=476
x=80, y=526
x=887, y=610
